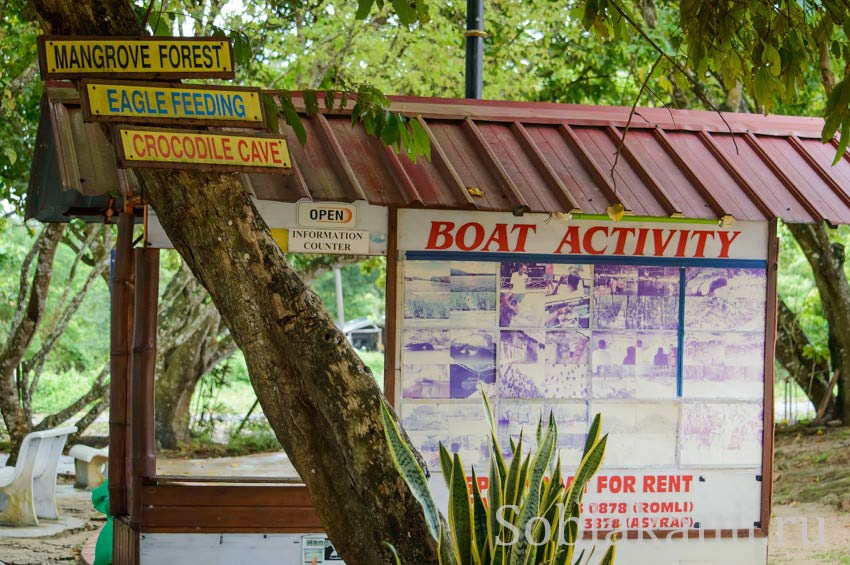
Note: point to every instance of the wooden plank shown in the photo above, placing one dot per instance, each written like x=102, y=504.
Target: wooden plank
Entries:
x=602, y=179
x=648, y=178
x=712, y=146
x=168, y=148
x=166, y=103
x=771, y=320
x=125, y=543
x=134, y=57
x=438, y=154
x=556, y=186
x=391, y=308
x=703, y=190
x=339, y=158
x=514, y=195
x=208, y=495
x=218, y=517
x=409, y=189
x=754, y=144
x=119, y=363
x=143, y=451
x=821, y=172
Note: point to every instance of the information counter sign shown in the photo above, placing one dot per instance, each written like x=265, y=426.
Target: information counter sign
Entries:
x=134, y=57
x=181, y=149
x=146, y=102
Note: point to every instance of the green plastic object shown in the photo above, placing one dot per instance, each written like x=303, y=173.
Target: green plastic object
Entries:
x=103, y=548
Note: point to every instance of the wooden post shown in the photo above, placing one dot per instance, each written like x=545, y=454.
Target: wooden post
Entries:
x=119, y=360
x=769, y=374
x=143, y=460
x=391, y=309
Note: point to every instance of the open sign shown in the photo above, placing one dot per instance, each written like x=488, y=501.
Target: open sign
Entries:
x=327, y=215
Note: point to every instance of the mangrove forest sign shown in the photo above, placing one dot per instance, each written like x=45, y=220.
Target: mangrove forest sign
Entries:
x=134, y=57
x=124, y=101
x=174, y=149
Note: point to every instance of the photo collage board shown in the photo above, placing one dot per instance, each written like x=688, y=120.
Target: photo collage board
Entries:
x=672, y=356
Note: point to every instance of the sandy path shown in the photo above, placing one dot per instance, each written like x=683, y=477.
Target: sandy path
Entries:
x=824, y=543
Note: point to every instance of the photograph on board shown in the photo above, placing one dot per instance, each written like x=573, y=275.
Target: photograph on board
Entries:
x=426, y=347
x=723, y=365
x=473, y=362
x=571, y=417
x=522, y=359
x=425, y=381
x=473, y=276
x=717, y=433
x=567, y=364
x=631, y=364
x=615, y=280
x=427, y=277
x=725, y=299
x=473, y=309
x=461, y=427
x=522, y=300
x=568, y=297
x=640, y=433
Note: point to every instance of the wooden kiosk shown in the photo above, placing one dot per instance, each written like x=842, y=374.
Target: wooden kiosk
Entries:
x=504, y=271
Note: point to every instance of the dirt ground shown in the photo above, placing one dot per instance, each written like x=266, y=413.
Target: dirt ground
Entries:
x=62, y=548
x=810, y=523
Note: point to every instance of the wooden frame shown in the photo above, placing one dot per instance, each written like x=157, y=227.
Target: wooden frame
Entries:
x=88, y=116
x=125, y=163
x=43, y=41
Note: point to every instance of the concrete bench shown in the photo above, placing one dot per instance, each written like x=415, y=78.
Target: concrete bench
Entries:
x=29, y=488
x=88, y=466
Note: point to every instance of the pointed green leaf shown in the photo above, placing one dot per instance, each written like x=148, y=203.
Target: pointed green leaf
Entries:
x=290, y=115
x=495, y=500
x=410, y=471
x=460, y=519
x=479, y=519
x=446, y=464
x=311, y=102
x=363, y=9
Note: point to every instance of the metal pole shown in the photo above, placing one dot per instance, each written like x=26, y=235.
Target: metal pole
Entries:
x=474, y=47
x=340, y=306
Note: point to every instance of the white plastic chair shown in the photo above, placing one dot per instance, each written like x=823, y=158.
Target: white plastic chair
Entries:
x=30, y=486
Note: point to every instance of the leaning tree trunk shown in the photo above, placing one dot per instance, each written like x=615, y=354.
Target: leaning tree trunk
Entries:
x=29, y=310
x=827, y=261
x=318, y=396
x=811, y=374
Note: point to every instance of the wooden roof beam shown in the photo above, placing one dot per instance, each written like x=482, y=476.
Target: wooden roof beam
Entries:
x=818, y=168
x=601, y=178
x=445, y=166
x=518, y=201
x=565, y=197
x=355, y=190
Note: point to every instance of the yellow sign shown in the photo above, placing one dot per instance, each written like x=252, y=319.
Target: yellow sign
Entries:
x=73, y=57
x=147, y=102
x=148, y=147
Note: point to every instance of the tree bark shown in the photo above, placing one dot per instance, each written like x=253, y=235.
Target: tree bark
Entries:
x=319, y=397
x=24, y=325
x=193, y=340
x=827, y=262
x=812, y=375
x=317, y=394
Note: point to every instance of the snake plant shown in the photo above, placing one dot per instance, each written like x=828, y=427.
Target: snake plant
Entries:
x=530, y=515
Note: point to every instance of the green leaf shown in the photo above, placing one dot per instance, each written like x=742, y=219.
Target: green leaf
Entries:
x=513, y=473
x=311, y=102
x=242, y=51
x=608, y=558
x=587, y=468
x=329, y=99
x=446, y=464
x=592, y=434
x=531, y=506
x=10, y=155
x=480, y=525
x=393, y=551
x=444, y=549
x=290, y=115
x=363, y=9
x=495, y=498
x=406, y=14
x=460, y=520
x=411, y=472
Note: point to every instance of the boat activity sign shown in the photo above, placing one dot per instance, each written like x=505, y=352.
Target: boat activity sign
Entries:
x=172, y=149
x=504, y=233
x=163, y=103
x=135, y=57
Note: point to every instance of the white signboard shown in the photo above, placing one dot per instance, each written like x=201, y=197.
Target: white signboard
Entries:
x=496, y=232
x=331, y=242
x=327, y=215
x=355, y=229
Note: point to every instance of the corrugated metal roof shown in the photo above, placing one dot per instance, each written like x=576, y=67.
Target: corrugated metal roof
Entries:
x=557, y=158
